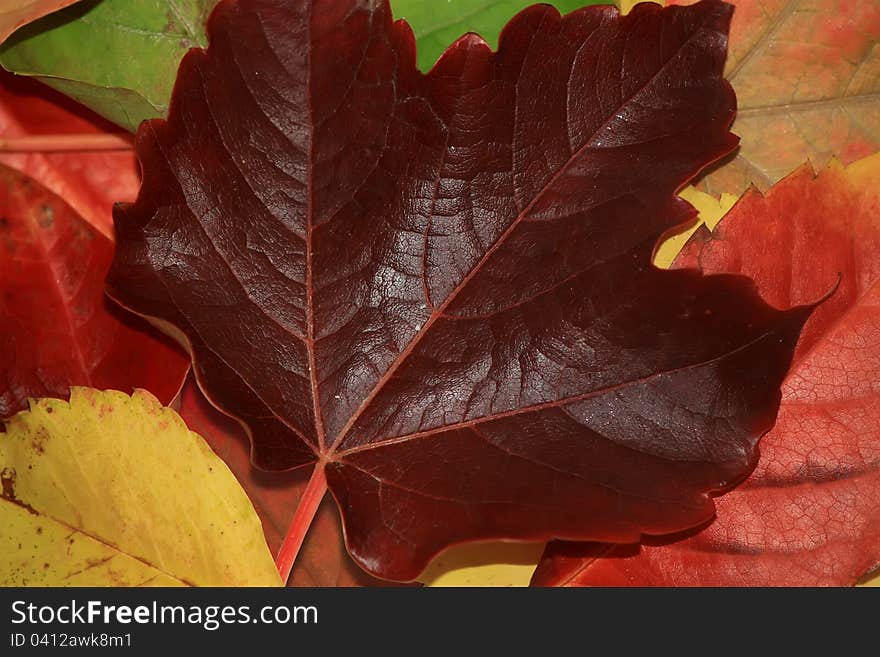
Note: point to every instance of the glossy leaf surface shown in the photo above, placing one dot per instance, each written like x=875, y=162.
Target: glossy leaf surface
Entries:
x=810, y=513
x=84, y=51
x=441, y=286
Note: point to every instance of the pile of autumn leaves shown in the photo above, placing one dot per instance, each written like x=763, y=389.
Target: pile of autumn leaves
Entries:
x=74, y=495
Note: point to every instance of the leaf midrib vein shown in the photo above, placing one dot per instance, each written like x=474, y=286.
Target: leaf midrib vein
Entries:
x=440, y=310
x=806, y=105
x=97, y=539
x=553, y=403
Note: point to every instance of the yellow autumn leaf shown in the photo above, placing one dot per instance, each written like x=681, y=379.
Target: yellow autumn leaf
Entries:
x=710, y=209
x=112, y=490
x=484, y=564
x=873, y=582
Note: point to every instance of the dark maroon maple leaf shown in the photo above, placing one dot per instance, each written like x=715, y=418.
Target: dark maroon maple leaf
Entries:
x=439, y=287
x=809, y=515
x=322, y=561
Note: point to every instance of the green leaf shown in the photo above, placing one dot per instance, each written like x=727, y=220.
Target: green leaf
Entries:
x=440, y=22
x=120, y=57
x=117, y=57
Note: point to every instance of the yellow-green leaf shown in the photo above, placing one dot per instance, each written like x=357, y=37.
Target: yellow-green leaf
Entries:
x=112, y=490
x=484, y=564
x=873, y=582
x=711, y=211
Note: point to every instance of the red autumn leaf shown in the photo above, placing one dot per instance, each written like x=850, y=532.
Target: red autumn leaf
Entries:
x=57, y=329
x=438, y=287
x=810, y=513
x=323, y=560
x=90, y=182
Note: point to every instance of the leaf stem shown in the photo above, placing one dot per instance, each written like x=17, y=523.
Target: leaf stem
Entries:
x=66, y=143
x=302, y=520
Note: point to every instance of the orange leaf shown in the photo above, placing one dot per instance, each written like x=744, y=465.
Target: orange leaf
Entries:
x=90, y=182
x=807, y=79
x=15, y=13
x=809, y=515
